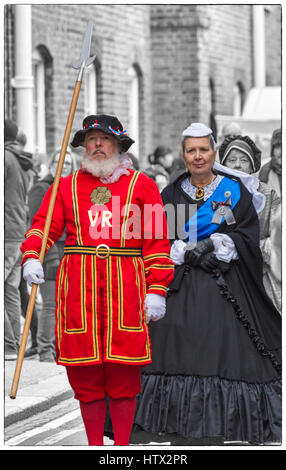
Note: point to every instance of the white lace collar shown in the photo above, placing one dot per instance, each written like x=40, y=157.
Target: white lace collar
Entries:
x=190, y=189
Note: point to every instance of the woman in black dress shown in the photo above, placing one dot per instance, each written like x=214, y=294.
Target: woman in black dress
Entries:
x=216, y=370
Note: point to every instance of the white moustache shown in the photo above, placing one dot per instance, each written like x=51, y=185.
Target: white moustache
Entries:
x=98, y=151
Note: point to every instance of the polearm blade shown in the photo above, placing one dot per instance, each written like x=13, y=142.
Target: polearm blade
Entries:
x=83, y=62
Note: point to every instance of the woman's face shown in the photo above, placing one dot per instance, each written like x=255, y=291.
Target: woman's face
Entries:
x=67, y=167
x=238, y=160
x=199, y=156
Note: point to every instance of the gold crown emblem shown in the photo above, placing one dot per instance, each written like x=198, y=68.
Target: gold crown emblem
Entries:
x=100, y=195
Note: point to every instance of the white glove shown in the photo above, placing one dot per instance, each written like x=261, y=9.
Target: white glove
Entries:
x=178, y=251
x=224, y=247
x=155, y=306
x=33, y=272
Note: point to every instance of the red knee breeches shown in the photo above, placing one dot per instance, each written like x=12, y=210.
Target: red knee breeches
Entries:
x=91, y=384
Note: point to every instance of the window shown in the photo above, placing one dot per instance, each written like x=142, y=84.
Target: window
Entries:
x=39, y=105
x=93, y=88
x=90, y=95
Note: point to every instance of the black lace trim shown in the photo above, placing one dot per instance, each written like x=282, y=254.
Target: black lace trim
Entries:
x=252, y=333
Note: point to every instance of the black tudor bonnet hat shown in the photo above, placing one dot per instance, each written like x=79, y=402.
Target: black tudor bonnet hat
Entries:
x=107, y=124
x=246, y=145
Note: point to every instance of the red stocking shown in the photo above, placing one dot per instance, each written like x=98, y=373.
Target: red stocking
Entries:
x=93, y=415
x=122, y=412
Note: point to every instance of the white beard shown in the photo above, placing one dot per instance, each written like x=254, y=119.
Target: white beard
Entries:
x=100, y=169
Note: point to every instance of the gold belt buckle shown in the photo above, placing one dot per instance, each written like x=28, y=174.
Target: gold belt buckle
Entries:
x=102, y=255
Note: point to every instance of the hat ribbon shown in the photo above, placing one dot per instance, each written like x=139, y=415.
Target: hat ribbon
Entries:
x=117, y=132
x=95, y=124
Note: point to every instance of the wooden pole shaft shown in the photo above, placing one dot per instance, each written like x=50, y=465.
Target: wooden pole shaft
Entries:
x=23, y=342
x=49, y=216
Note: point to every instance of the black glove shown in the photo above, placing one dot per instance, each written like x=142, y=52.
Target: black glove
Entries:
x=208, y=262
x=193, y=257
x=224, y=267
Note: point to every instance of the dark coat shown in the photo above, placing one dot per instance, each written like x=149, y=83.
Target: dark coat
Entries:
x=35, y=198
x=18, y=166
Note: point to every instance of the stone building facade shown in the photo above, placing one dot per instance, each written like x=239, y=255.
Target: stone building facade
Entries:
x=158, y=67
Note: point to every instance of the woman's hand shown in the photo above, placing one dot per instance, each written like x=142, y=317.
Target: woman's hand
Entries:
x=194, y=256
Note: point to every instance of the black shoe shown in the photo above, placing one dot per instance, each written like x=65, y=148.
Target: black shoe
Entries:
x=31, y=351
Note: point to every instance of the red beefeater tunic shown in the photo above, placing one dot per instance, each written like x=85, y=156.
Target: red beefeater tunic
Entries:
x=100, y=314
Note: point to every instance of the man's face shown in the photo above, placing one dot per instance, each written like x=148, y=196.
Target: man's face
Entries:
x=199, y=155
x=238, y=160
x=100, y=145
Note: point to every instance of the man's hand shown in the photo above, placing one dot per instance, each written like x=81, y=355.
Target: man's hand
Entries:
x=33, y=272
x=155, y=306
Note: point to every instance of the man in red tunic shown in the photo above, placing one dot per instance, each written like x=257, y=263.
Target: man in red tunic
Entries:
x=112, y=279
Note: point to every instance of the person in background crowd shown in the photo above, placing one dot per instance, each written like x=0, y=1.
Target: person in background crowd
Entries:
x=24, y=294
x=230, y=129
x=159, y=175
x=162, y=156
x=216, y=368
x=39, y=166
x=178, y=168
x=111, y=281
x=46, y=320
x=271, y=172
x=161, y=165
x=17, y=173
x=241, y=153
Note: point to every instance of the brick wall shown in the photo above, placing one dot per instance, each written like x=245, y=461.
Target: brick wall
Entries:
x=194, y=45
x=178, y=49
x=120, y=39
x=228, y=52
x=174, y=72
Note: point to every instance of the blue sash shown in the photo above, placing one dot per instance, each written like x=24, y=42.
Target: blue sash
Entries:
x=200, y=226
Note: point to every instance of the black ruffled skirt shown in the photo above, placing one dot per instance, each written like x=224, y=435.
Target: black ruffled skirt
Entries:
x=216, y=367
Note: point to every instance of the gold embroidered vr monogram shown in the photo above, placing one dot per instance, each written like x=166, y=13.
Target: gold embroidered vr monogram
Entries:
x=106, y=216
